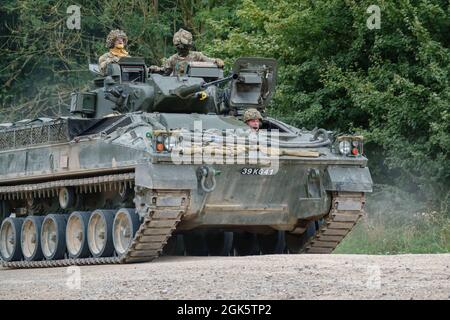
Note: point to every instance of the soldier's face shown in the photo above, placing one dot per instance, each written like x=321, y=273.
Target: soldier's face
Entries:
x=119, y=43
x=253, y=124
x=182, y=50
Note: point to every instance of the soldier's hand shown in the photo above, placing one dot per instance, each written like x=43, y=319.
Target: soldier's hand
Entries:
x=219, y=63
x=154, y=69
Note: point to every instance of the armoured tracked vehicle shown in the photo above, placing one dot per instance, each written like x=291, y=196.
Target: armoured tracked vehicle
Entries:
x=150, y=164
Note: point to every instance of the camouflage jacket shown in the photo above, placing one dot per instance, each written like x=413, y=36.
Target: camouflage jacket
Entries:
x=106, y=59
x=176, y=64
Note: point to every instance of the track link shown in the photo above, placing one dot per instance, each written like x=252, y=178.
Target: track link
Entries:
x=347, y=208
x=157, y=227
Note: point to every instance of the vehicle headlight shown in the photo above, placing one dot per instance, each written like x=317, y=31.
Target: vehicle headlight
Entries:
x=345, y=147
x=164, y=141
x=170, y=142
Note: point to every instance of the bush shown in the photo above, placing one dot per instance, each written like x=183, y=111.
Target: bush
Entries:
x=397, y=222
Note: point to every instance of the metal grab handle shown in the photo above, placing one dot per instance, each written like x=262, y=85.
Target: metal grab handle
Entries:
x=319, y=132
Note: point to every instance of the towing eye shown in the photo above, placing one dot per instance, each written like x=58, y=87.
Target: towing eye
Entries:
x=206, y=173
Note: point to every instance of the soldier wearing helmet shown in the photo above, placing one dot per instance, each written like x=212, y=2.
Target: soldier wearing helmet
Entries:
x=253, y=118
x=177, y=63
x=116, y=42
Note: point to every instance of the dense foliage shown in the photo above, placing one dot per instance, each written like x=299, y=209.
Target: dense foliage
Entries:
x=390, y=84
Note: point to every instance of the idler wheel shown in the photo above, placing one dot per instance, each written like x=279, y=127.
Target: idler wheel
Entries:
x=273, y=243
x=195, y=244
x=10, y=234
x=245, y=244
x=126, y=223
x=76, y=234
x=219, y=243
x=100, y=238
x=31, y=238
x=53, y=240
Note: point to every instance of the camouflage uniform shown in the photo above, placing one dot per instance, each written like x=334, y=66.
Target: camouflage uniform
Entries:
x=178, y=62
x=112, y=56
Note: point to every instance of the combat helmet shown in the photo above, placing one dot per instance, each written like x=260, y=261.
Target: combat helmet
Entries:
x=182, y=37
x=251, y=114
x=113, y=35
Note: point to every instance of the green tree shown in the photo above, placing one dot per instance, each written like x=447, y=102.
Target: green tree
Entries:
x=390, y=84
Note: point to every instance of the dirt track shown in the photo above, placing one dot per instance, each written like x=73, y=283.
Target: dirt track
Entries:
x=257, y=277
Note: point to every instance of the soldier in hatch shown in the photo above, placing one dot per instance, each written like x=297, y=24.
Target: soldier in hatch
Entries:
x=177, y=63
x=116, y=42
x=253, y=118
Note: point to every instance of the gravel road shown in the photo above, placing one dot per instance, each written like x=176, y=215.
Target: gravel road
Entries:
x=257, y=277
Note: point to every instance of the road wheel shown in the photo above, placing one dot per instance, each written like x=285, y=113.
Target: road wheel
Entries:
x=76, y=234
x=273, y=243
x=245, y=244
x=31, y=238
x=100, y=239
x=219, y=243
x=126, y=223
x=53, y=241
x=195, y=244
x=10, y=234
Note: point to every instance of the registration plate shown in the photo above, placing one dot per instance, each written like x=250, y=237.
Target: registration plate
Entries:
x=257, y=171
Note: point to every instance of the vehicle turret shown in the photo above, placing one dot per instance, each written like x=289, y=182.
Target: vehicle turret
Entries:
x=128, y=87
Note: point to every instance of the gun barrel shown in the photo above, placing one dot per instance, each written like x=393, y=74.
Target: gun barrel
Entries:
x=233, y=76
x=185, y=92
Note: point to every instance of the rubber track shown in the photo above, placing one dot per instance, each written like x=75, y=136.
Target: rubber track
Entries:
x=150, y=239
x=347, y=208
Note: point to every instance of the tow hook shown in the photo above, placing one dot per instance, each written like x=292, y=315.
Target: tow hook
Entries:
x=205, y=173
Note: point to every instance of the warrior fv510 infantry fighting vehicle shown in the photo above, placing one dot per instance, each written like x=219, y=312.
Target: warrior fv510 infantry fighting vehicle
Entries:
x=150, y=164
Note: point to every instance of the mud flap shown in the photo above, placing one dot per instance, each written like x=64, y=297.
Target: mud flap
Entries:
x=351, y=179
x=166, y=177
